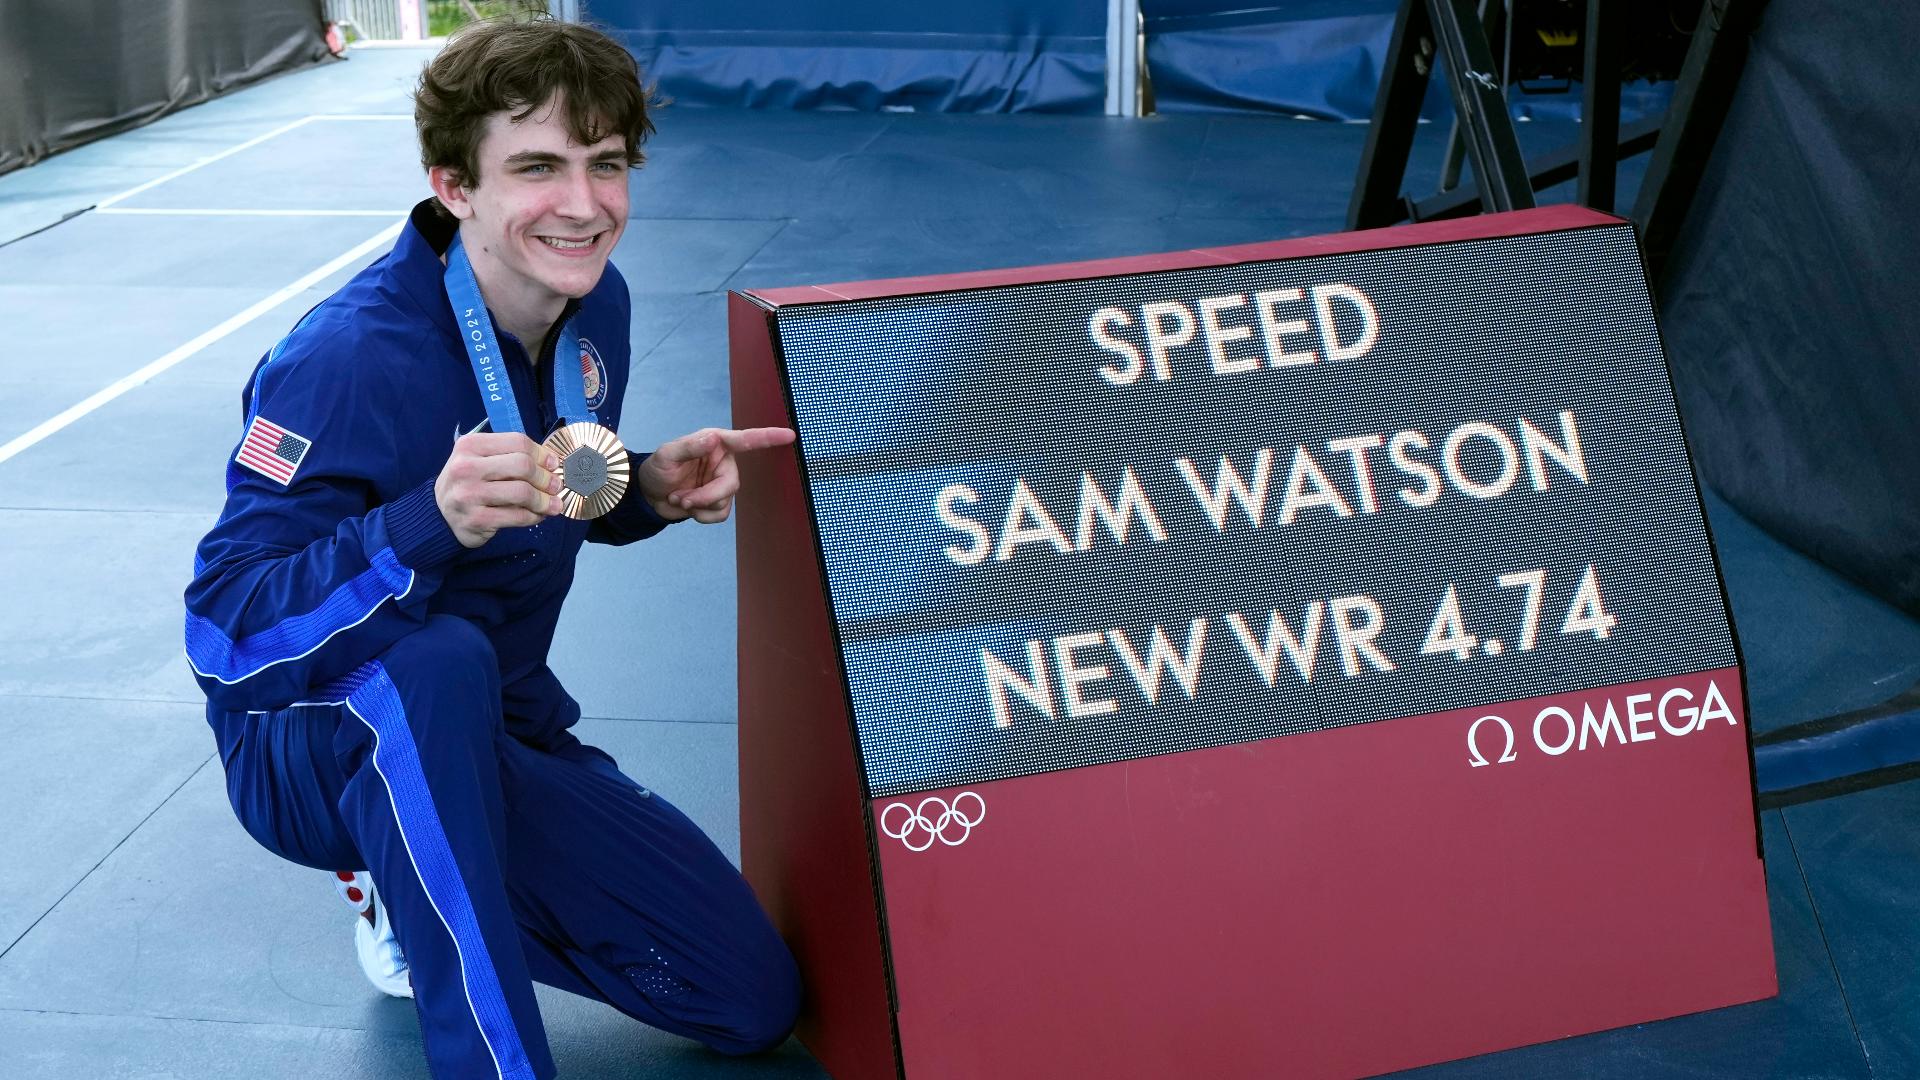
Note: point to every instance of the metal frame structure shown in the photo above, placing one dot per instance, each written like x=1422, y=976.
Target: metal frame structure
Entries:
x=1455, y=35
x=1700, y=101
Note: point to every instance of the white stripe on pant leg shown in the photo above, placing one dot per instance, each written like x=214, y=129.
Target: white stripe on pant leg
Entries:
x=407, y=842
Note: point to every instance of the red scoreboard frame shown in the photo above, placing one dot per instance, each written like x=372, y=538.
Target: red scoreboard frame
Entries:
x=1335, y=903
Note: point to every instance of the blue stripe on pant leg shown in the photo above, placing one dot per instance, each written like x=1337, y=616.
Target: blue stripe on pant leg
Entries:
x=376, y=701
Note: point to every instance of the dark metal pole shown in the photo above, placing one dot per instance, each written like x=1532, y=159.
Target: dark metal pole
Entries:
x=1493, y=16
x=1396, y=110
x=1700, y=100
x=1600, y=108
x=1474, y=75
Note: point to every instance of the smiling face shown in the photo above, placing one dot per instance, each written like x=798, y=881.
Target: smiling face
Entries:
x=542, y=216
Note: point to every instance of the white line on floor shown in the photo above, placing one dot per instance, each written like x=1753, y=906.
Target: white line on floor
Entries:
x=208, y=160
x=232, y=150
x=195, y=211
x=122, y=385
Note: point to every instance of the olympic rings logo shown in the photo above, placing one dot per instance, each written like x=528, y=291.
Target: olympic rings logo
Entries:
x=919, y=826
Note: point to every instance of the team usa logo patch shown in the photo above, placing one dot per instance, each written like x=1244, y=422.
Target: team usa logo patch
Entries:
x=272, y=451
x=593, y=375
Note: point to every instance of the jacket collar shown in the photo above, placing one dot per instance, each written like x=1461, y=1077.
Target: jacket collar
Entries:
x=416, y=267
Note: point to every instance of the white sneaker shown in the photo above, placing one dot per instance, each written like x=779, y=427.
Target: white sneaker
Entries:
x=381, y=960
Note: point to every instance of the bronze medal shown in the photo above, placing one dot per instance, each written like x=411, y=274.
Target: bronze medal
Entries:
x=593, y=469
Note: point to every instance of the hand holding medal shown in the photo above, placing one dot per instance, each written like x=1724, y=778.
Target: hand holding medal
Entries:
x=496, y=481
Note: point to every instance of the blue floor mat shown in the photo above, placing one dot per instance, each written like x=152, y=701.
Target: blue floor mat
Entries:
x=1832, y=671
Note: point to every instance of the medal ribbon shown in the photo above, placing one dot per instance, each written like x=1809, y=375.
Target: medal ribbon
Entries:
x=489, y=365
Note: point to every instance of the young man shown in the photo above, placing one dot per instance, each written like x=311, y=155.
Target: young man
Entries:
x=370, y=618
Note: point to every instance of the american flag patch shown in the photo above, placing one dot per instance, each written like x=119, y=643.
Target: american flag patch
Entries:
x=271, y=450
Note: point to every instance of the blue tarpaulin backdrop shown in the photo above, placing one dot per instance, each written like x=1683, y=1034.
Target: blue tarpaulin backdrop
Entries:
x=1318, y=58
x=1309, y=57
x=979, y=56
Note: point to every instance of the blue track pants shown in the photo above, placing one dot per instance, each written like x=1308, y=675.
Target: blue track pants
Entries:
x=501, y=864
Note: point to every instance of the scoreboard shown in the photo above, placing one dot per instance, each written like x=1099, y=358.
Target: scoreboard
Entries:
x=1304, y=658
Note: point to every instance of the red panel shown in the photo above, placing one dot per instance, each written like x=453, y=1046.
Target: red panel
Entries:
x=803, y=837
x=1483, y=227
x=1337, y=903
x=1332, y=904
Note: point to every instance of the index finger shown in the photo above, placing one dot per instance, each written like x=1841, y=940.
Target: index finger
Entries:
x=707, y=440
x=744, y=440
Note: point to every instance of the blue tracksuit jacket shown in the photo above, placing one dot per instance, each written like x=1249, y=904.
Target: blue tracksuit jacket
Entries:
x=301, y=581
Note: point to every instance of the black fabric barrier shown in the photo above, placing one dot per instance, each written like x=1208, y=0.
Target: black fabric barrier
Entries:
x=72, y=71
x=1788, y=301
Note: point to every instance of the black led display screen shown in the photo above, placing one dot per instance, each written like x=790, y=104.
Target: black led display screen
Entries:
x=1085, y=521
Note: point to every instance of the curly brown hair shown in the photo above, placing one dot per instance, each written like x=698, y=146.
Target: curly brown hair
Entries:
x=517, y=64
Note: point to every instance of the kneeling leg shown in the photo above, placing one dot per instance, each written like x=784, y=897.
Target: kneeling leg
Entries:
x=424, y=804
x=624, y=899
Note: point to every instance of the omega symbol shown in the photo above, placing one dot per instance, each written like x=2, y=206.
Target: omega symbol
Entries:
x=1474, y=757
